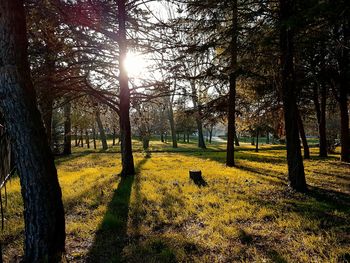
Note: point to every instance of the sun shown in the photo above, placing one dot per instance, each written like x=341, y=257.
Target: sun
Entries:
x=135, y=64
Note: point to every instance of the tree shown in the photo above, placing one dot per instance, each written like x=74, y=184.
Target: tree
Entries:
x=124, y=96
x=296, y=173
x=231, y=126
x=44, y=214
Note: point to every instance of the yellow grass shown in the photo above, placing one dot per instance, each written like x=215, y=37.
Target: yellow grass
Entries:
x=245, y=214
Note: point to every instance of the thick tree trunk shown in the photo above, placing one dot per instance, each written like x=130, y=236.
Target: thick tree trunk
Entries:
x=344, y=91
x=303, y=136
x=296, y=173
x=67, y=146
x=231, y=127
x=42, y=198
x=101, y=129
x=5, y=153
x=124, y=96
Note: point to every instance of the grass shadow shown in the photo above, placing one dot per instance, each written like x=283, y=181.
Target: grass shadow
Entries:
x=59, y=159
x=111, y=237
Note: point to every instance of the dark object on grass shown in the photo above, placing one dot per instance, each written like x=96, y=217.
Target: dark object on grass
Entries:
x=196, y=176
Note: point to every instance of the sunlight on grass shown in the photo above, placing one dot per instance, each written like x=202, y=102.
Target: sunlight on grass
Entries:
x=244, y=214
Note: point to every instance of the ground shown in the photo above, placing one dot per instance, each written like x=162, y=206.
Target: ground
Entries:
x=244, y=214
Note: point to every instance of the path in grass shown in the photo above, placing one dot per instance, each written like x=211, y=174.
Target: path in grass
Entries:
x=244, y=214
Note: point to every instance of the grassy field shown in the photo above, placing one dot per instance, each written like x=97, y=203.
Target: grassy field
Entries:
x=244, y=214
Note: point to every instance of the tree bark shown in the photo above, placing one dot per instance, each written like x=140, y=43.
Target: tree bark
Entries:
x=101, y=129
x=124, y=96
x=114, y=136
x=94, y=136
x=257, y=140
x=67, y=145
x=296, y=173
x=81, y=139
x=236, y=139
x=42, y=198
x=344, y=123
x=172, y=125
x=344, y=91
x=267, y=138
x=87, y=139
x=231, y=127
x=210, y=134
x=76, y=137
x=197, y=106
x=320, y=109
x=303, y=136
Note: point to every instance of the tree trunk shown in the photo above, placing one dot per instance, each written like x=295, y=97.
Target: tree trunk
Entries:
x=114, y=136
x=101, y=129
x=162, y=137
x=252, y=142
x=184, y=137
x=210, y=134
x=87, y=139
x=267, y=138
x=76, y=137
x=296, y=173
x=201, y=142
x=257, y=141
x=94, y=136
x=124, y=96
x=303, y=136
x=81, y=139
x=188, y=137
x=320, y=109
x=67, y=146
x=344, y=133
x=42, y=198
x=236, y=139
x=231, y=127
x=172, y=125
x=344, y=91
x=197, y=106
x=145, y=142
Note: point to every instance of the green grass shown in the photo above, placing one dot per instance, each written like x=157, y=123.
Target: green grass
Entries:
x=245, y=214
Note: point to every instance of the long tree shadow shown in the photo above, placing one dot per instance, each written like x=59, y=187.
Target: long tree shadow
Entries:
x=111, y=237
